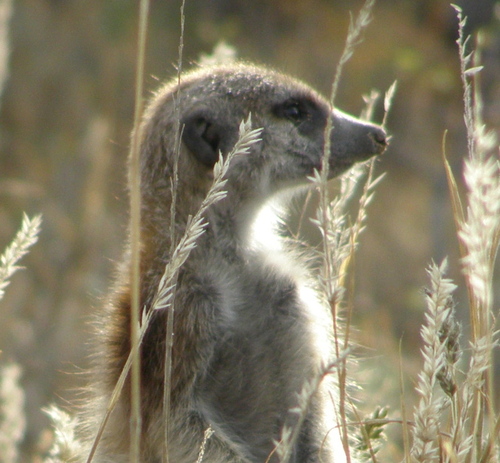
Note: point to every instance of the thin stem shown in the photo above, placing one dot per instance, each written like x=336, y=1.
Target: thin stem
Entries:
x=135, y=238
x=325, y=209
x=178, y=130
x=167, y=381
x=404, y=420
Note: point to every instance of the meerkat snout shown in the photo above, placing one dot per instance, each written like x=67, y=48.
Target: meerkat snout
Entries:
x=353, y=140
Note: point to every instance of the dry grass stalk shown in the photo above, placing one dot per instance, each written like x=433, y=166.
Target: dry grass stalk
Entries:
x=195, y=227
x=340, y=234
x=290, y=434
x=12, y=419
x=328, y=217
x=404, y=414
x=479, y=227
x=479, y=233
x=5, y=15
x=321, y=178
x=206, y=436
x=66, y=448
x=427, y=429
x=174, y=182
x=24, y=239
x=135, y=237
x=196, y=224
x=471, y=433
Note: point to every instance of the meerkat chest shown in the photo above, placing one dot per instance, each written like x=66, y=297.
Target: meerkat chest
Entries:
x=264, y=291
x=268, y=321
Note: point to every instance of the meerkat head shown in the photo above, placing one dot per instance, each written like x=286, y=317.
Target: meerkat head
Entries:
x=293, y=118
x=212, y=103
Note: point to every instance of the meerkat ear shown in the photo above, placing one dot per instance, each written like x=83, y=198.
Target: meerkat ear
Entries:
x=202, y=137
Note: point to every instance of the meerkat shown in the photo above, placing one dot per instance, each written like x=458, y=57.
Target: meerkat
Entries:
x=249, y=330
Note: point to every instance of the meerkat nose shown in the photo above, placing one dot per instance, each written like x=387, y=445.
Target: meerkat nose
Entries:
x=380, y=138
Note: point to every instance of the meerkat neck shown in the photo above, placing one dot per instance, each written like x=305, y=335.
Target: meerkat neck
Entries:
x=245, y=226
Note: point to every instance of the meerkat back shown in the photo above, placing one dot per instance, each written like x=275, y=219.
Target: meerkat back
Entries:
x=250, y=333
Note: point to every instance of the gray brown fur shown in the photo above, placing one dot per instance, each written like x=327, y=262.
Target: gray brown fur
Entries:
x=249, y=330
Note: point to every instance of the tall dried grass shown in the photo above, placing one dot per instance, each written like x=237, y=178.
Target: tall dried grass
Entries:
x=5, y=15
x=12, y=418
x=456, y=420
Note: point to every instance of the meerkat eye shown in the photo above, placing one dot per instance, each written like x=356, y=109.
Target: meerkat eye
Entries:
x=292, y=110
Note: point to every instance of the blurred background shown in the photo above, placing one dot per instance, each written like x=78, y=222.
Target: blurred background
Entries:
x=65, y=117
